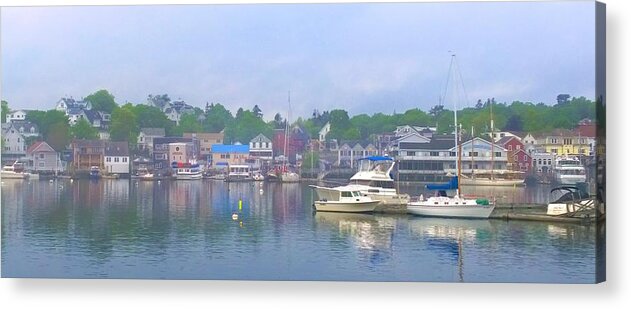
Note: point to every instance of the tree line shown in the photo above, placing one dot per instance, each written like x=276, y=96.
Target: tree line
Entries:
x=129, y=118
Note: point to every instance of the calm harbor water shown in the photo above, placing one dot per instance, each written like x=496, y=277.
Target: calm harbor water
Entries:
x=185, y=230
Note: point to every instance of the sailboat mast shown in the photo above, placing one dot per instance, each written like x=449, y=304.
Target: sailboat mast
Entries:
x=492, y=141
x=287, y=129
x=453, y=58
x=472, y=152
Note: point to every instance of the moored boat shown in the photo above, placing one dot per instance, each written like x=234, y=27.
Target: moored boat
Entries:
x=239, y=173
x=187, y=171
x=14, y=171
x=344, y=201
x=95, y=172
x=569, y=171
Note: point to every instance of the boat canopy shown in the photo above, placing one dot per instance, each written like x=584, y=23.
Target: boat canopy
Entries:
x=451, y=185
x=377, y=158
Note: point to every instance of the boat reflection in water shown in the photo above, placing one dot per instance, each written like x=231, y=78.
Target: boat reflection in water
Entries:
x=448, y=237
x=371, y=234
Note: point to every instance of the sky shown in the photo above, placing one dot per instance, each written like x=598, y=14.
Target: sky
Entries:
x=365, y=58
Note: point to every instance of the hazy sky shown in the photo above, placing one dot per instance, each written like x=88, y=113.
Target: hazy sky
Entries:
x=361, y=57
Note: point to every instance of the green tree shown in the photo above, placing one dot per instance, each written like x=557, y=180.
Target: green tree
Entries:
x=124, y=125
x=340, y=123
x=5, y=111
x=152, y=117
x=217, y=118
x=53, y=126
x=102, y=101
x=83, y=130
x=188, y=124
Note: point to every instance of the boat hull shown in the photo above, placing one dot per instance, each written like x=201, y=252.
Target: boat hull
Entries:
x=337, y=206
x=570, y=180
x=188, y=176
x=491, y=182
x=330, y=194
x=13, y=175
x=460, y=211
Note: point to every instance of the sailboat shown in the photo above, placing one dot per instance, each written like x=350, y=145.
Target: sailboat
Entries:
x=506, y=178
x=284, y=173
x=455, y=206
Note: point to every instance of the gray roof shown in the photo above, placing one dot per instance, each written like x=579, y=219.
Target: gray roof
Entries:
x=92, y=115
x=21, y=124
x=117, y=149
x=153, y=131
x=438, y=142
x=261, y=139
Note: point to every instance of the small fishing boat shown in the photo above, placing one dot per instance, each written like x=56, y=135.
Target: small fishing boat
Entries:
x=257, y=176
x=345, y=201
x=144, y=175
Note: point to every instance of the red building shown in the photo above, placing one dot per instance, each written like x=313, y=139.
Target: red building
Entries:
x=513, y=145
x=521, y=160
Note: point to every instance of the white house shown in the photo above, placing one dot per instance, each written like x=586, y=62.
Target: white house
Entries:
x=43, y=158
x=176, y=109
x=13, y=140
x=116, y=158
x=261, y=148
x=324, y=131
x=19, y=115
x=67, y=104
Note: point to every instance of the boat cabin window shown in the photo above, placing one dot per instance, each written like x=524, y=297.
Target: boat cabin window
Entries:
x=346, y=194
x=357, y=194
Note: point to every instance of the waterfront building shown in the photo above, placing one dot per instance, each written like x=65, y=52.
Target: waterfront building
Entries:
x=15, y=135
x=225, y=155
x=542, y=162
x=88, y=153
x=161, y=152
x=587, y=129
x=565, y=142
x=116, y=158
x=42, y=158
x=520, y=160
x=429, y=160
x=146, y=136
x=513, y=145
x=261, y=149
x=206, y=140
x=176, y=109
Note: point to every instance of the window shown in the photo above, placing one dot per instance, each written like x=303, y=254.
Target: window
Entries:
x=518, y=147
x=452, y=154
x=510, y=147
x=498, y=153
x=554, y=150
x=411, y=153
x=41, y=164
x=433, y=153
x=108, y=159
x=125, y=159
x=41, y=156
x=346, y=194
x=116, y=159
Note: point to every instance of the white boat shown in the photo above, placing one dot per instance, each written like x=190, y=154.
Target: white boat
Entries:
x=345, y=201
x=239, y=173
x=13, y=172
x=187, y=171
x=451, y=207
x=571, y=202
x=144, y=174
x=257, y=176
x=455, y=206
x=373, y=180
x=569, y=171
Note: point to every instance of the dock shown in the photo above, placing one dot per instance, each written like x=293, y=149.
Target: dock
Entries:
x=511, y=211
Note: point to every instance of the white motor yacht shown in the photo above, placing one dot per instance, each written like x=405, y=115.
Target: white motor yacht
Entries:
x=345, y=201
x=373, y=180
x=569, y=171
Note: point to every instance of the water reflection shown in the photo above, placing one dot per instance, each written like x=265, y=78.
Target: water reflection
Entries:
x=371, y=234
x=179, y=229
